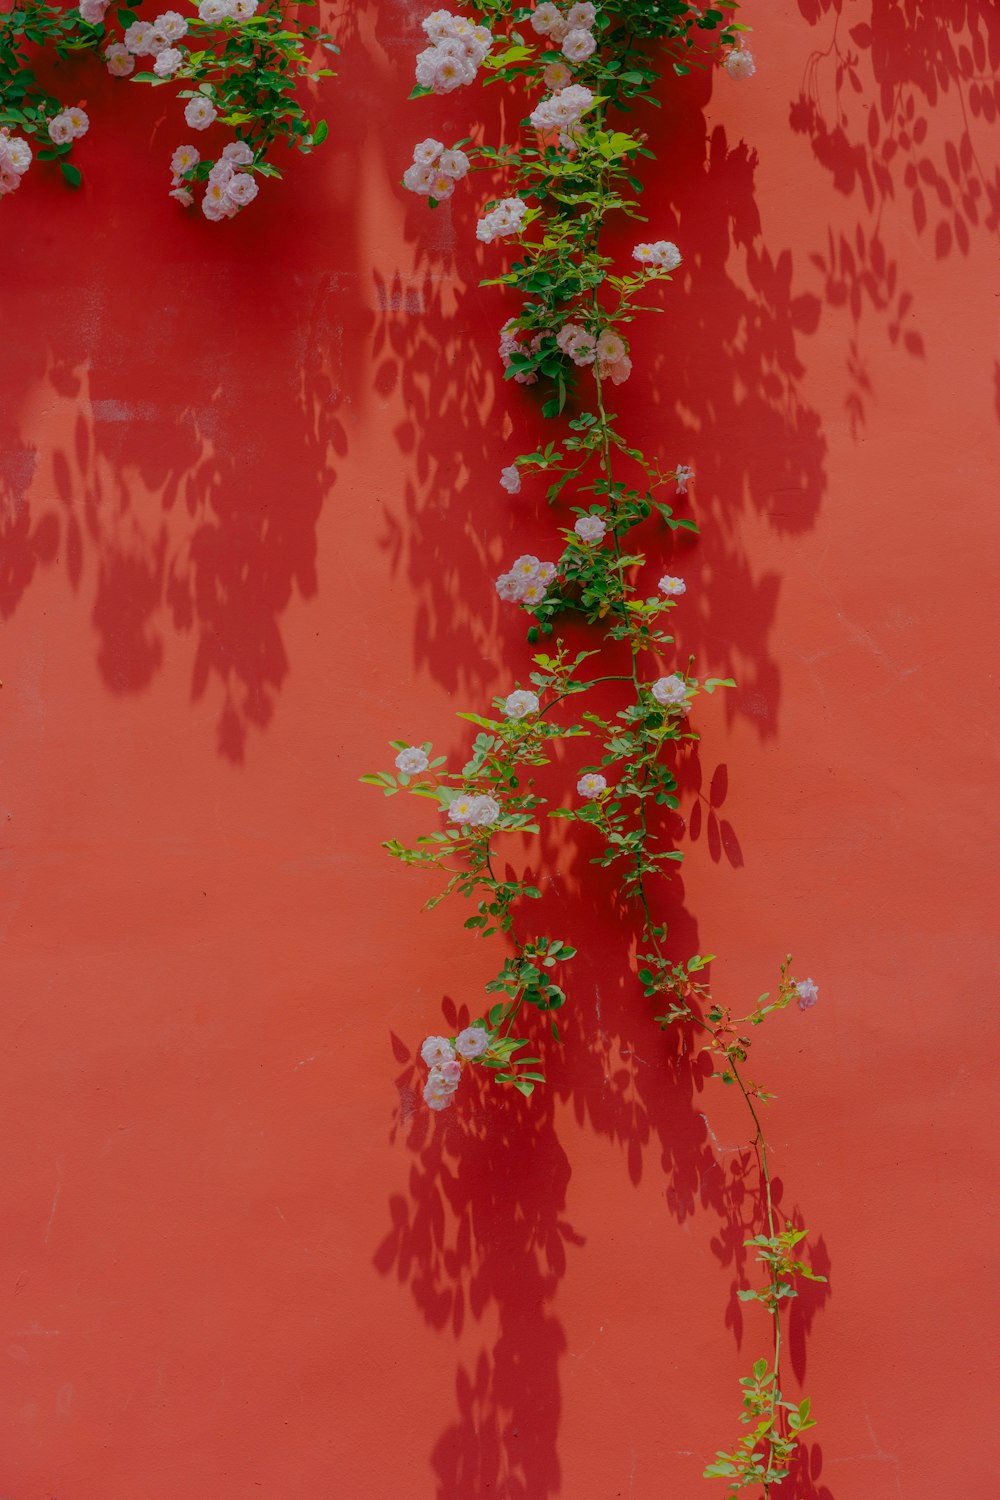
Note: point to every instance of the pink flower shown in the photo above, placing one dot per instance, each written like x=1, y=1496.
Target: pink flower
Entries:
x=92, y=11
x=808, y=993
x=591, y=785
x=60, y=130
x=437, y=1050
x=672, y=587
x=183, y=159
x=199, y=112
x=472, y=1042
x=510, y=479
x=167, y=62
x=242, y=189
x=578, y=45
x=119, y=60
x=590, y=529
x=575, y=341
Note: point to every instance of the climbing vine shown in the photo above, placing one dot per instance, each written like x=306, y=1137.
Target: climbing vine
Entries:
x=578, y=72
x=237, y=65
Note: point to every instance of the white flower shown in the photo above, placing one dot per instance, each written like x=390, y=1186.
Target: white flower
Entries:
x=172, y=24
x=216, y=205
x=78, y=120
x=507, y=218
x=9, y=180
x=157, y=41
x=438, y=24
x=806, y=989
x=557, y=76
x=15, y=154
x=412, y=761
x=581, y=15
x=526, y=567
x=662, y=255
x=683, y=476
x=510, y=479
x=438, y=1094
x=510, y=587
x=214, y=11
x=520, y=704
x=92, y=11
x=454, y=164
x=591, y=785
x=184, y=158
x=532, y=593
x=199, y=112
x=168, y=61
x=672, y=587
x=544, y=17
x=590, y=529
x=546, y=572
x=183, y=196
x=242, y=189
x=441, y=186
x=671, y=692
x=472, y=1042
x=428, y=151
x=60, y=130
x=222, y=171
x=244, y=9
x=437, y=1050
x=418, y=178
x=562, y=110
x=238, y=152
x=578, y=45
x=460, y=808
x=137, y=38
x=485, y=812
x=444, y=68
x=739, y=63
x=119, y=60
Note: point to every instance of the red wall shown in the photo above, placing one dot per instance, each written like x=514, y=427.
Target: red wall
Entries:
x=251, y=518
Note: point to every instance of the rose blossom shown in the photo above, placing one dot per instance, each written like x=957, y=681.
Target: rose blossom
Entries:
x=183, y=195
x=544, y=17
x=519, y=704
x=92, y=11
x=485, y=812
x=119, y=60
x=472, y=1042
x=183, y=159
x=563, y=109
x=412, y=761
x=578, y=45
x=199, y=112
x=172, y=24
x=168, y=61
x=672, y=587
x=510, y=587
x=238, y=152
x=739, y=63
x=683, y=475
x=808, y=993
x=510, y=479
x=60, y=130
x=590, y=528
x=15, y=154
x=557, y=76
x=437, y=1050
x=137, y=38
x=591, y=785
x=671, y=692
x=506, y=219
x=454, y=164
x=214, y=11
x=460, y=808
x=418, y=178
x=662, y=255
x=438, y=1093
x=427, y=151
x=575, y=341
x=610, y=348
x=581, y=15
x=241, y=189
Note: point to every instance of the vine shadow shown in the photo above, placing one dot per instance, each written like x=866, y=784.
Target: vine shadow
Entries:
x=891, y=105
x=179, y=496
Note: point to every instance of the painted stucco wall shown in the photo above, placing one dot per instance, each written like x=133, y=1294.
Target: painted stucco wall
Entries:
x=250, y=522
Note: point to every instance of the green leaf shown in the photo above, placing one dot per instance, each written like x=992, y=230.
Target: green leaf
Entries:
x=320, y=133
x=72, y=174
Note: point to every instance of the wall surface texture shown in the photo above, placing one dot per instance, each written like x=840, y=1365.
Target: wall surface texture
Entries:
x=250, y=520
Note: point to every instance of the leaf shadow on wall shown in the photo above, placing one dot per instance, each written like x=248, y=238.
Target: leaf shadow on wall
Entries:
x=482, y=1234
x=177, y=432
x=899, y=108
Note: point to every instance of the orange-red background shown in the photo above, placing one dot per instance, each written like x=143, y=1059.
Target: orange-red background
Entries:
x=251, y=518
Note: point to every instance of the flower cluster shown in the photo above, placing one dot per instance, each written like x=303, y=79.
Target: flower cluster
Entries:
x=68, y=125
x=15, y=159
x=506, y=219
x=434, y=170
x=510, y=344
x=607, y=352
x=526, y=582
x=661, y=255
x=243, y=68
x=564, y=110
x=572, y=31
x=471, y=811
x=444, y=1057
x=458, y=48
x=739, y=63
